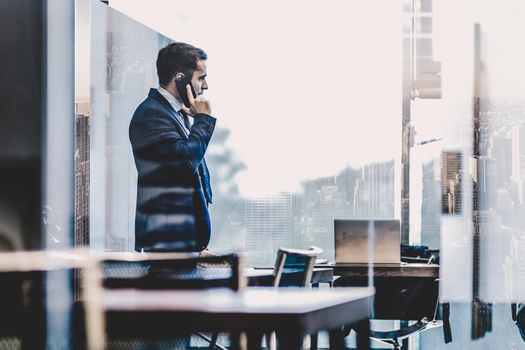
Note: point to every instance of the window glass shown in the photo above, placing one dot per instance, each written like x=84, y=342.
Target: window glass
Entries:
x=296, y=95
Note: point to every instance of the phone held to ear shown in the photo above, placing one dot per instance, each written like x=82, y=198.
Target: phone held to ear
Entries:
x=181, y=87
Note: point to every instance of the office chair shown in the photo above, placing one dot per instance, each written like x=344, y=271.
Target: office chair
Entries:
x=429, y=321
x=426, y=316
x=157, y=271
x=294, y=268
x=23, y=309
x=405, y=300
x=28, y=301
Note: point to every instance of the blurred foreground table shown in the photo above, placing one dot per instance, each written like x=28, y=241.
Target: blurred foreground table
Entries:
x=292, y=313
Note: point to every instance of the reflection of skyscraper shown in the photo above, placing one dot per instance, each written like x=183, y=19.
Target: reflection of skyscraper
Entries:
x=82, y=181
x=324, y=200
x=451, y=182
x=504, y=205
x=521, y=162
x=421, y=80
x=494, y=242
x=430, y=206
x=353, y=193
x=269, y=225
x=484, y=177
x=374, y=193
x=516, y=167
x=501, y=151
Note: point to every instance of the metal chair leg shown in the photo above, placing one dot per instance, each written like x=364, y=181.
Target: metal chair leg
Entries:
x=313, y=341
x=213, y=341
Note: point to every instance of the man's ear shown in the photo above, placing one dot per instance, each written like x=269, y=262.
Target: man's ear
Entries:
x=179, y=75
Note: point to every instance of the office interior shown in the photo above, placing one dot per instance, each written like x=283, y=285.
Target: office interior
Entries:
x=408, y=110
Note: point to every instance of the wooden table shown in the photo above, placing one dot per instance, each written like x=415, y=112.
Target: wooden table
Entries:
x=386, y=270
x=292, y=313
x=36, y=287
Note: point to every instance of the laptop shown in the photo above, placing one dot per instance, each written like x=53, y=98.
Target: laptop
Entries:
x=352, y=241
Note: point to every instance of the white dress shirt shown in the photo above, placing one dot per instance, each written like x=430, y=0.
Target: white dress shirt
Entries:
x=177, y=106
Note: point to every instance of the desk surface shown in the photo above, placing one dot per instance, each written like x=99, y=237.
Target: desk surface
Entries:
x=390, y=270
x=258, y=309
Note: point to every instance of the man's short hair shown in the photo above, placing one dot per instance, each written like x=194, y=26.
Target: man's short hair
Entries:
x=178, y=57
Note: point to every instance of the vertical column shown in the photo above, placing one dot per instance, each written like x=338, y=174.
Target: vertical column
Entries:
x=58, y=158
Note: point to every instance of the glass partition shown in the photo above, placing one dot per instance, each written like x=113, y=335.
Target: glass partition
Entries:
x=475, y=126
x=296, y=97
x=406, y=110
x=117, y=71
x=468, y=144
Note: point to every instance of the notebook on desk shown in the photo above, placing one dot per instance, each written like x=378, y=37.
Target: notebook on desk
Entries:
x=352, y=239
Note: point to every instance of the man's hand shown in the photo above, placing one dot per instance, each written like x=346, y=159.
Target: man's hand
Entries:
x=197, y=105
x=206, y=252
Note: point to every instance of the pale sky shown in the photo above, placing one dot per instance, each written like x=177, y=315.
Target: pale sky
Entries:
x=305, y=87
x=308, y=87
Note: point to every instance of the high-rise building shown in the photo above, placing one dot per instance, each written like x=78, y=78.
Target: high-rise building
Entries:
x=82, y=180
x=522, y=148
x=430, y=205
x=269, y=225
x=501, y=151
x=374, y=192
x=451, y=182
x=516, y=166
x=485, y=180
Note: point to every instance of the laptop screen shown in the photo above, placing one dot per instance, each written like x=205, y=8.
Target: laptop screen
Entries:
x=364, y=241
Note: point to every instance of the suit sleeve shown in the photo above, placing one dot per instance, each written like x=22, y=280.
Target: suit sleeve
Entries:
x=158, y=139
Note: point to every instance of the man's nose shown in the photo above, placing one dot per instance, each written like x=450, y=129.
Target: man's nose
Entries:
x=204, y=85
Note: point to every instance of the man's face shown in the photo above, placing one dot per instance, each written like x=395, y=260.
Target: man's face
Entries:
x=198, y=79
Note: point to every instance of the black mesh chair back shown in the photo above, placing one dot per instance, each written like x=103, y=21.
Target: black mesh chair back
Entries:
x=159, y=272
x=22, y=303
x=294, y=267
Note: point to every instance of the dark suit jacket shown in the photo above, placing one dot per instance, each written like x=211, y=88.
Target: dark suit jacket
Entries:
x=173, y=182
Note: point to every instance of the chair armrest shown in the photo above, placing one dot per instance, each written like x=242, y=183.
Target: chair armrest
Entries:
x=312, y=251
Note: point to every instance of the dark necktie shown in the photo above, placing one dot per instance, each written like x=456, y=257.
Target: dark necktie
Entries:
x=186, y=120
x=204, y=175
x=205, y=180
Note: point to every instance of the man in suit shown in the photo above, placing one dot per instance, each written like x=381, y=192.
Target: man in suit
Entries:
x=169, y=141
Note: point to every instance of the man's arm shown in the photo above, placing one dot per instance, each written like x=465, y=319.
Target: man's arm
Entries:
x=157, y=139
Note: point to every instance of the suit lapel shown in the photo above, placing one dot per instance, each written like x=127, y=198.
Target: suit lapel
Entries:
x=202, y=169
x=153, y=93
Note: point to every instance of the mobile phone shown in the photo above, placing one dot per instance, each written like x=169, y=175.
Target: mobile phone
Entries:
x=181, y=87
